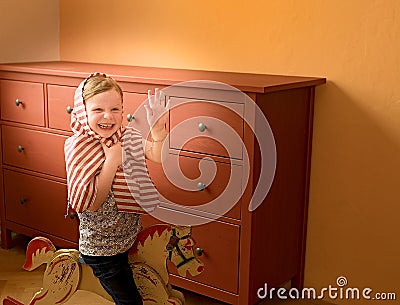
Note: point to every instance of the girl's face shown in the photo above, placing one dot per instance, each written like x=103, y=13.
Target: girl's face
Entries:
x=104, y=113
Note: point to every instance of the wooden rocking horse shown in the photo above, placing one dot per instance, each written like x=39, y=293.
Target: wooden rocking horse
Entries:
x=64, y=274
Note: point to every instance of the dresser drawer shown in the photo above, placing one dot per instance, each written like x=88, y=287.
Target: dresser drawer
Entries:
x=214, y=128
x=217, y=183
x=137, y=114
x=22, y=102
x=34, y=150
x=39, y=204
x=219, y=243
x=60, y=103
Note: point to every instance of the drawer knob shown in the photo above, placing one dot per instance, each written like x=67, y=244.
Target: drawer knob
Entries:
x=199, y=251
x=202, y=127
x=201, y=186
x=18, y=102
x=69, y=109
x=130, y=117
x=20, y=148
x=72, y=215
x=22, y=200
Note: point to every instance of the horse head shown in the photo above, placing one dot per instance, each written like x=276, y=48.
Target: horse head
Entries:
x=40, y=250
x=180, y=252
x=158, y=243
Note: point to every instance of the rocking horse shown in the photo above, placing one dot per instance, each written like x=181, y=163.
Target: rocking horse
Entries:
x=154, y=245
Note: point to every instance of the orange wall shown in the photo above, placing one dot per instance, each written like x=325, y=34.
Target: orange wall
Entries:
x=355, y=44
x=354, y=201
x=29, y=30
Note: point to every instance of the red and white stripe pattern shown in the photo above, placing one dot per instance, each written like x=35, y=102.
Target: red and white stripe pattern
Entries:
x=84, y=157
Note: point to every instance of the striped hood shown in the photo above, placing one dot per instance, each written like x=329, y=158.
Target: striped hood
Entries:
x=84, y=158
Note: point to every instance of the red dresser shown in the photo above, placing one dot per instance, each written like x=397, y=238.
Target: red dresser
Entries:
x=241, y=249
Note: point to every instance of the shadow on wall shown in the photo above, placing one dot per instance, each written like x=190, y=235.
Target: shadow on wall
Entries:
x=354, y=192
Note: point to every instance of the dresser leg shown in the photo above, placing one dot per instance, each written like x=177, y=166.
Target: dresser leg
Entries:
x=298, y=281
x=6, y=239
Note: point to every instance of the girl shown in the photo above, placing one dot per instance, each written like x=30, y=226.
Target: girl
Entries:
x=108, y=183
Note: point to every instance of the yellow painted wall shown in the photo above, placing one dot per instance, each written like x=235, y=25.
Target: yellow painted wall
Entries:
x=354, y=201
x=29, y=30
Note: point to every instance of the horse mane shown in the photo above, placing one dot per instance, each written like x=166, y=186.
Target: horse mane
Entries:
x=146, y=233
x=36, y=247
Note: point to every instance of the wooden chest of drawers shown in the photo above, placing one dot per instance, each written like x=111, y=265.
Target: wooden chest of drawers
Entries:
x=241, y=249
x=33, y=170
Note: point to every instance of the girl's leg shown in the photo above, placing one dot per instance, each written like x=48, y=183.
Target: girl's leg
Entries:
x=115, y=275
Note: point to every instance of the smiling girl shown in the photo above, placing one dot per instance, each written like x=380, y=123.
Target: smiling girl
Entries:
x=108, y=183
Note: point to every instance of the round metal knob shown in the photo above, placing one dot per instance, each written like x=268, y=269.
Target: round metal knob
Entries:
x=199, y=251
x=22, y=200
x=20, y=148
x=72, y=215
x=69, y=109
x=201, y=186
x=130, y=117
x=202, y=127
x=18, y=102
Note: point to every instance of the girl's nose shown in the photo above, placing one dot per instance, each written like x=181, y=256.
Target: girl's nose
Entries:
x=107, y=115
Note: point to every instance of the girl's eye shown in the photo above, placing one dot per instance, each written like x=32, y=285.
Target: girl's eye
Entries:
x=116, y=109
x=97, y=110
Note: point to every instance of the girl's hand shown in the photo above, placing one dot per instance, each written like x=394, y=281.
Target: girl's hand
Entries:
x=157, y=113
x=113, y=154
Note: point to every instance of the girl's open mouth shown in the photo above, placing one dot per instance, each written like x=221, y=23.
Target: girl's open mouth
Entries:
x=106, y=126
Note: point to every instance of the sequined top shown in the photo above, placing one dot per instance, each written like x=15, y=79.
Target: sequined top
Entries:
x=107, y=231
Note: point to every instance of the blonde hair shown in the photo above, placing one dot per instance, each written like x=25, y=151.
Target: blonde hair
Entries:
x=99, y=83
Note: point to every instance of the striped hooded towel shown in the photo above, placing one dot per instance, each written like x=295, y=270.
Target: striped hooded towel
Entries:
x=84, y=156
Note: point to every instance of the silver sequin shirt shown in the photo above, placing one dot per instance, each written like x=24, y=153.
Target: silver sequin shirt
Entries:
x=106, y=231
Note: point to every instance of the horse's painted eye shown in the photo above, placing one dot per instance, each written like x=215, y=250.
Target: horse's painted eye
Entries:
x=189, y=244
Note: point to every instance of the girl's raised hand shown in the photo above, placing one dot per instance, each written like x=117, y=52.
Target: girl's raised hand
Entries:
x=156, y=110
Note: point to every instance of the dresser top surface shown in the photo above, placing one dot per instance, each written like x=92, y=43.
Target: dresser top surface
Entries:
x=249, y=82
